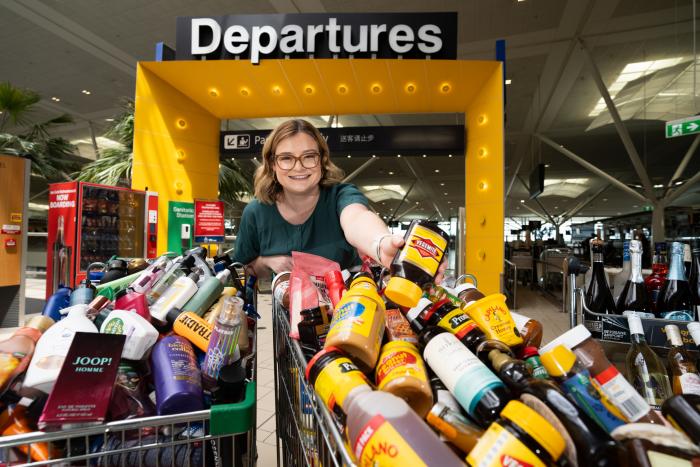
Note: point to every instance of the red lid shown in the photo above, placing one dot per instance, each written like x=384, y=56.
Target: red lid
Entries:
x=315, y=358
x=333, y=276
x=434, y=308
x=529, y=351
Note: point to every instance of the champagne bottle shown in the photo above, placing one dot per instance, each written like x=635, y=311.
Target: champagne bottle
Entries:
x=645, y=370
x=685, y=375
x=61, y=258
x=694, y=278
x=634, y=294
x=623, y=277
x=598, y=297
x=675, y=299
x=656, y=279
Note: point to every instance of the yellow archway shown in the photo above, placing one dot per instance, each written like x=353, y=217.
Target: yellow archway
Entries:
x=179, y=106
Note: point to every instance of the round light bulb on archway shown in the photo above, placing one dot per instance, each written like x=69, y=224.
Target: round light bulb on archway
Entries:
x=445, y=88
x=483, y=185
x=376, y=88
x=276, y=90
x=213, y=92
x=410, y=88
x=245, y=92
x=483, y=152
x=308, y=89
x=482, y=119
x=180, y=155
x=181, y=123
x=342, y=89
x=178, y=187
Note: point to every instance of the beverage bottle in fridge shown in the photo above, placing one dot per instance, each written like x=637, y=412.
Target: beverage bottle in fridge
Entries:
x=655, y=281
x=622, y=278
x=61, y=258
x=645, y=370
x=675, y=299
x=694, y=277
x=683, y=370
x=598, y=297
x=633, y=296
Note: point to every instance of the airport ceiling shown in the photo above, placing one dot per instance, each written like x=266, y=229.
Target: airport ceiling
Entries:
x=643, y=50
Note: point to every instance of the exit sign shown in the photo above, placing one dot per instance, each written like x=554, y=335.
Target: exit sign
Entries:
x=683, y=127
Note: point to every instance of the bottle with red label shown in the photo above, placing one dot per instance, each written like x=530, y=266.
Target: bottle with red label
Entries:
x=416, y=264
x=383, y=430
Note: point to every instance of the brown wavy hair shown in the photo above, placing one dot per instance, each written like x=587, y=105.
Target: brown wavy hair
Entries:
x=267, y=188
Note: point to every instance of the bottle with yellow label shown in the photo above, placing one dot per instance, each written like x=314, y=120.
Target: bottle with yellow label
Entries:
x=416, y=264
x=493, y=317
x=520, y=436
x=384, y=431
x=357, y=327
x=401, y=371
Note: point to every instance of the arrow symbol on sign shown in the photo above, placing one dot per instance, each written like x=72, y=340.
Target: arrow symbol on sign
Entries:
x=692, y=126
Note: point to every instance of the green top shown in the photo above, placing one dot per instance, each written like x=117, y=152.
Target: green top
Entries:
x=264, y=232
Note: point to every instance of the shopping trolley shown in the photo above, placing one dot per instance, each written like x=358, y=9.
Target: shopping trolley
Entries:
x=307, y=433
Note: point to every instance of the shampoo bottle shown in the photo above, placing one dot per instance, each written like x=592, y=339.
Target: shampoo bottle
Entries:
x=209, y=290
x=140, y=335
x=175, y=297
x=176, y=376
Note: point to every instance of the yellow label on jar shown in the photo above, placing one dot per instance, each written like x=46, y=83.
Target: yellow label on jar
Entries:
x=493, y=317
x=398, y=361
x=336, y=380
x=355, y=316
x=424, y=249
x=498, y=447
x=378, y=443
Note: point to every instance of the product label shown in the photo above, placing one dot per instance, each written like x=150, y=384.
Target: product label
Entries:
x=222, y=347
x=499, y=448
x=378, y=443
x=588, y=399
x=336, y=381
x=462, y=373
x=424, y=249
x=356, y=317
x=651, y=386
x=457, y=322
x=660, y=459
x=400, y=363
x=679, y=315
x=690, y=383
x=8, y=363
x=494, y=319
x=535, y=367
x=114, y=326
x=622, y=394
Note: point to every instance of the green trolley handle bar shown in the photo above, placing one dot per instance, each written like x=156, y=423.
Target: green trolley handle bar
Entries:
x=228, y=419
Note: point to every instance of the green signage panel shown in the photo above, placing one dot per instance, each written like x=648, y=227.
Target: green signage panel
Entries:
x=683, y=127
x=180, y=226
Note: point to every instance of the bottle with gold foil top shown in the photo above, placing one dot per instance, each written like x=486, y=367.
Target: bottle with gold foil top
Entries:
x=683, y=371
x=416, y=264
x=357, y=327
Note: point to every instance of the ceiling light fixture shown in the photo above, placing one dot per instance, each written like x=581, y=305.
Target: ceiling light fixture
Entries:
x=522, y=200
x=437, y=171
x=449, y=155
x=442, y=184
x=391, y=173
x=424, y=155
x=86, y=92
x=349, y=156
x=398, y=155
x=56, y=99
x=109, y=119
x=508, y=81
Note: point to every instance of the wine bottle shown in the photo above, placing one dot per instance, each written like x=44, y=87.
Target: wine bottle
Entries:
x=645, y=370
x=694, y=278
x=622, y=278
x=685, y=375
x=634, y=294
x=656, y=279
x=675, y=299
x=61, y=258
x=694, y=330
x=598, y=297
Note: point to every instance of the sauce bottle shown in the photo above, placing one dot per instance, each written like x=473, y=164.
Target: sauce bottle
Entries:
x=335, y=285
x=401, y=371
x=17, y=351
x=357, y=327
x=520, y=434
x=416, y=264
x=383, y=430
x=467, y=292
x=313, y=329
x=474, y=386
x=493, y=317
x=575, y=380
x=531, y=357
x=453, y=427
x=531, y=330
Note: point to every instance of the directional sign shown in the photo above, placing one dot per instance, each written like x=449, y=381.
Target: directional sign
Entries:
x=683, y=127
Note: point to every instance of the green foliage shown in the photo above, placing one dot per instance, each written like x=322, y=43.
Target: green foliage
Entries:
x=112, y=168
x=234, y=182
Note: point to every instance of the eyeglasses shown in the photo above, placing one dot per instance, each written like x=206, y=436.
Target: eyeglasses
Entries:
x=308, y=160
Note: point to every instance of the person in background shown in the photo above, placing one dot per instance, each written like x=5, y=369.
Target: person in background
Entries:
x=301, y=204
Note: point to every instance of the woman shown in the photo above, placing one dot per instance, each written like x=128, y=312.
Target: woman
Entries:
x=301, y=205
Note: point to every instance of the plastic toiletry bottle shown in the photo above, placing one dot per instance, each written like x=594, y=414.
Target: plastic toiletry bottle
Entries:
x=83, y=293
x=19, y=424
x=52, y=348
x=149, y=276
x=209, y=290
x=531, y=330
x=357, y=326
x=377, y=420
x=575, y=380
x=211, y=315
x=134, y=301
x=140, y=334
x=176, y=376
x=474, y=386
x=520, y=433
x=191, y=327
x=56, y=302
x=173, y=273
x=224, y=276
x=17, y=351
x=223, y=341
x=612, y=383
x=175, y=297
x=416, y=264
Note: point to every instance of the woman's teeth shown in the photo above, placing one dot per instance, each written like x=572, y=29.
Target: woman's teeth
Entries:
x=299, y=177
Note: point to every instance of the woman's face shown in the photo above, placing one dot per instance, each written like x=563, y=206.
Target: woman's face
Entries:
x=299, y=179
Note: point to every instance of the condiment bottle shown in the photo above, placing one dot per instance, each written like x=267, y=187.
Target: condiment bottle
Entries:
x=441, y=394
x=685, y=375
x=593, y=445
x=313, y=329
x=467, y=292
x=683, y=411
x=280, y=288
x=416, y=264
x=176, y=376
x=474, y=386
x=333, y=375
x=335, y=285
x=531, y=330
x=520, y=433
x=575, y=380
x=357, y=326
x=383, y=430
x=223, y=341
x=16, y=352
x=454, y=427
x=493, y=317
x=531, y=357
x=401, y=371
x=611, y=382
x=191, y=327
x=140, y=334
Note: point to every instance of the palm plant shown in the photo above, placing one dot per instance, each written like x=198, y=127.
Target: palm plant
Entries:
x=113, y=166
x=49, y=155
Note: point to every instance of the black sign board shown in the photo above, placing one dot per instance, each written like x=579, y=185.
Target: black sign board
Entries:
x=319, y=35
x=389, y=140
x=615, y=328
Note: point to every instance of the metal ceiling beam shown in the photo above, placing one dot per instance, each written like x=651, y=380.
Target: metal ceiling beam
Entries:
x=619, y=125
x=426, y=187
x=402, y=200
x=601, y=173
x=359, y=170
x=527, y=187
x=515, y=174
x=576, y=209
x=675, y=194
x=408, y=209
x=684, y=162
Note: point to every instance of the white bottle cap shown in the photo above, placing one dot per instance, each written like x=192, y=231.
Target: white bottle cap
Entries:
x=694, y=329
x=463, y=286
x=423, y=303
x=76, y=310
x=635, y=323
x=569, y=339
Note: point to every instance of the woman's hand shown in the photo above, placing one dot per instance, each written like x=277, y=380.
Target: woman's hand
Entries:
x=388, y=247
x=264, y=264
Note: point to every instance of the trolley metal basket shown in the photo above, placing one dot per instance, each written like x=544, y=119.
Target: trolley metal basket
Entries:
x=307, y=433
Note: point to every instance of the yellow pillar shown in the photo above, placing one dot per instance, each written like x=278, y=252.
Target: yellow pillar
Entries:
x=176, y=147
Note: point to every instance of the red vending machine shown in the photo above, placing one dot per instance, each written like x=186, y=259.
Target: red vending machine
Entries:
x=90, y=223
